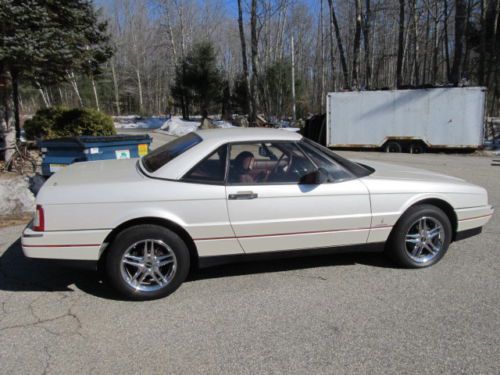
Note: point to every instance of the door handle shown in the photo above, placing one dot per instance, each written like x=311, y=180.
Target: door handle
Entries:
x=243, y=195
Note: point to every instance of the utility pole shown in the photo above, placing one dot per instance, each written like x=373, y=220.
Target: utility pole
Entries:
x=294, y=116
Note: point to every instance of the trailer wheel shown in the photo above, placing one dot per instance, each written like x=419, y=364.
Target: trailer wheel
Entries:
x=392, y=146
x=417, y=148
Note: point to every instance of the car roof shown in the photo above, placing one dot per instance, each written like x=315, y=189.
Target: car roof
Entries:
x=237, y=134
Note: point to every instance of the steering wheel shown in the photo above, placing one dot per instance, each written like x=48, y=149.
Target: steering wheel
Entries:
x=275, y=168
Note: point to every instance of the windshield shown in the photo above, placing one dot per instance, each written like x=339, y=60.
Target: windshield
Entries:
x=162, y=155
x=357, y=169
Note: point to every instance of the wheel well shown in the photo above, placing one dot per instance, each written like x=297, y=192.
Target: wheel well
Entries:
x=447, y=209
x=181, y=232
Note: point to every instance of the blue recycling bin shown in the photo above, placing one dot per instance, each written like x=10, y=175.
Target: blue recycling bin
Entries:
x=58, y=153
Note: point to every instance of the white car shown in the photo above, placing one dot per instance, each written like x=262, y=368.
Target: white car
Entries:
x=222, y=194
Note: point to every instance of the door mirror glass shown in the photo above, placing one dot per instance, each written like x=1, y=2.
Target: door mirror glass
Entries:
x=317, y=177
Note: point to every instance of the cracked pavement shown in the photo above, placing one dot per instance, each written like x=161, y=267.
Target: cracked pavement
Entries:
x=350, y=313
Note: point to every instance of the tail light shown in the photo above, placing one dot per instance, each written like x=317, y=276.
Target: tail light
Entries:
x=39, y=220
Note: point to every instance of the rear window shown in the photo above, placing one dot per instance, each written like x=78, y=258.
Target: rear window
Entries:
x=162, y=155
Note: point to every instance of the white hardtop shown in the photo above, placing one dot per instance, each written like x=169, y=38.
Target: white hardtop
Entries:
x=247, y=134
x=212, y=139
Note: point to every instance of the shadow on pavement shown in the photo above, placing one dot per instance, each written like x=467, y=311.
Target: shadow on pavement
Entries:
x=21, y=274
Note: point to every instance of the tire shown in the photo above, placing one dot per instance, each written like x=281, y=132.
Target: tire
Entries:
x=147, y=262
x=417, y=148
x=392, y=146
x=412, y=248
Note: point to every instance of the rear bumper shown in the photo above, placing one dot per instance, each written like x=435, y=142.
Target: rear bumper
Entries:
x=71, y=245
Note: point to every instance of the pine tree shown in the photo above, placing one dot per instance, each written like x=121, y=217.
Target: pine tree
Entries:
x=198, y=80
x=44, y=41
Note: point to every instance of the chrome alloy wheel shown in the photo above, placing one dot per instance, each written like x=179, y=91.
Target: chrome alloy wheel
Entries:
x=424, y=240
x=148, y=265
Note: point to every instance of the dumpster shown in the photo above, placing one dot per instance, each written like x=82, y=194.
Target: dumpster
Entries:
x=58, y=153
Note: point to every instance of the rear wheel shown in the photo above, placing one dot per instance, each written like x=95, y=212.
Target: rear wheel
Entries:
x=421, y=237
x=147, y=262
x=417, y=148
x=392, y=146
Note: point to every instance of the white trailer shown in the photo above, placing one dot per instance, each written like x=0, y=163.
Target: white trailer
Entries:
x=406, y=120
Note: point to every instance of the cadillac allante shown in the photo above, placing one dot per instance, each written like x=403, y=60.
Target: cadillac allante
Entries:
x=226, y=194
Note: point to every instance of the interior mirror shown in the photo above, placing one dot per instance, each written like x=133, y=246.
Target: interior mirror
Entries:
x=317, y=177
x=263, y=151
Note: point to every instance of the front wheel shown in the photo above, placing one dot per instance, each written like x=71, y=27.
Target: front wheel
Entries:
x=421, y=237
x=147, y=262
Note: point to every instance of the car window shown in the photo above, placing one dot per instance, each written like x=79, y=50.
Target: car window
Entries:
x=335, y=171
x=162, y=155
x=211, y=169
x=356, y=169
x=266, y=163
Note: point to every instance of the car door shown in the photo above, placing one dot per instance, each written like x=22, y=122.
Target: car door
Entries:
x=206, y=217
x=271, y=210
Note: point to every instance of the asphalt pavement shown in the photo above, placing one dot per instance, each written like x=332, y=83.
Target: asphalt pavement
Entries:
x=335, y=314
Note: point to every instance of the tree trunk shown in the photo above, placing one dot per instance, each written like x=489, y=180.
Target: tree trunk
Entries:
x=94, y=89
x=248, y=103
x=482, y=44
x=467, y=46
x=74, y=84
x=332, y=54
x=15, y=99
x=115, y=87
x=436, y=48
x=356, y=46
x=45, y=100
x=366, y=43
x=139, y=87
x=171, y=36
x=255, y=70
x=460, y=16
x=322, y=65
x=343, y=62
x=426, y=46
x=496, y=61
x=415, y=44
x=6, y=116
x=401, y=41
x=446, y=40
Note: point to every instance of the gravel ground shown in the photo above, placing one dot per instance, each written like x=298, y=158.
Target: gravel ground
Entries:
x=329, y=314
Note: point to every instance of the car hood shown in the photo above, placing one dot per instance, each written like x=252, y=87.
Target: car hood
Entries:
x=400, y=172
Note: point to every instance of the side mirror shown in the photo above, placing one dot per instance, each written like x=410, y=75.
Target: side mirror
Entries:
x=317, y=177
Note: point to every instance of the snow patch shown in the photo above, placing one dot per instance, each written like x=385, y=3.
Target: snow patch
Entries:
x=178, y=127
x=138, y=122
x=222, y=124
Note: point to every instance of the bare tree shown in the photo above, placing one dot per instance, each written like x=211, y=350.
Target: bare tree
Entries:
x=244, y=58
x=460, y=17
x=366, y=43
x=255, y=64
x=401, y=44
x=356, y=45
x=335, y=26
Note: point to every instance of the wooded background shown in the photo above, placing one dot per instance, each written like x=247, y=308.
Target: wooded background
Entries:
x=339, y=45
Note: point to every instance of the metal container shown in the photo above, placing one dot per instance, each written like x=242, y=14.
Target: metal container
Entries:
x=58, y=153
